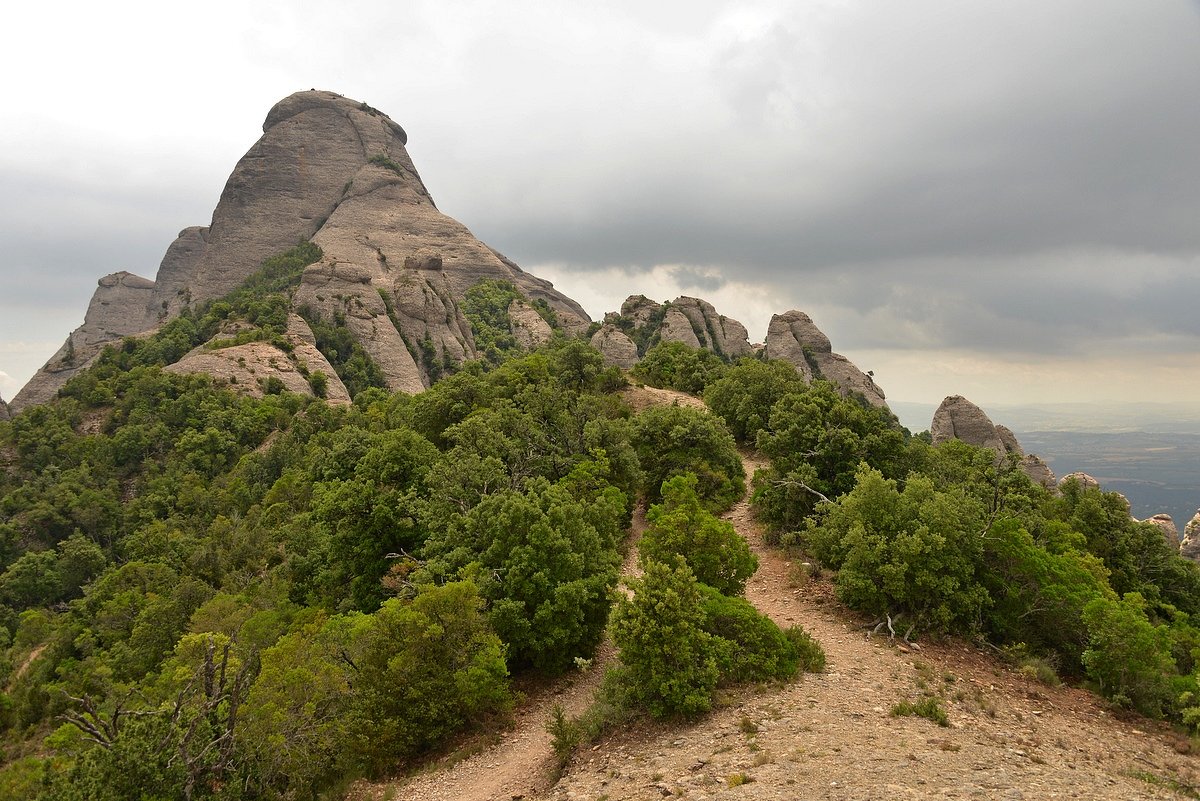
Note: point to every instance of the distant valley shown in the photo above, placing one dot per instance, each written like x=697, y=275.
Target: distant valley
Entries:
x=1148, y=452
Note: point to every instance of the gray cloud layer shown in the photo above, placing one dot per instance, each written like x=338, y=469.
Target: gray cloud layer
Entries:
x=998, y=178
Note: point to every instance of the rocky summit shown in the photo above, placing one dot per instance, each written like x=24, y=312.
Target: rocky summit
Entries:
x=794, y=337
x=393, y=271
x=958, y=418
x=334, y=171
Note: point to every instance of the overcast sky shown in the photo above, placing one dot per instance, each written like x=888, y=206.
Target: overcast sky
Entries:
x=994, y=199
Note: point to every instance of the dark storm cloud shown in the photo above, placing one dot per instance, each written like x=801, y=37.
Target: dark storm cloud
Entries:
x=1016, y=177
x=953, y=168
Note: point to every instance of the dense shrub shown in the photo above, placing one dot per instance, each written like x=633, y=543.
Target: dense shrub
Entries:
x=672, y=440
x=744, y=396
x=670, y=664
x=674, y=365
x=681, y=528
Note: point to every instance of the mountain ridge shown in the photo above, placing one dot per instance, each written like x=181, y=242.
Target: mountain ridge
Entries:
x=393, y=271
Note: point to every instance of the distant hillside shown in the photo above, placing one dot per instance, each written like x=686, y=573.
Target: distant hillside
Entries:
x=1157, y=472
x=1177, y=418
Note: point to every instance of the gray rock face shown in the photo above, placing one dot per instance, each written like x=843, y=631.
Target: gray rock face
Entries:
x=958, y=418
x=692, y=321
x=676, y=327
x=794, y=337
x=528, y=327
x=618, y=349
x=1038, y=471
x=1085, y=481
x=716, y=332
x=5, y=414
x=335, y=171
x=248, y=367
x=1166, y=524
x=640, y=310
x=119, y=308
x=1189, y=546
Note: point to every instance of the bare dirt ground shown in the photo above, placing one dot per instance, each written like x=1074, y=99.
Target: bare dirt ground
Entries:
x=831, y=735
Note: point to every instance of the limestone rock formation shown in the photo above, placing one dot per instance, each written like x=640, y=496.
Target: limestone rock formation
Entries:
x=794, y=337
x=335, y=171
x=641, y=311
x=528, y=327
x=249, y=367
x=1166, y=524
x=5, y=414
x=1189, y=546
x=119, y=308
x=692, y=321
x=618, y=349
x=958, y=418
x=1038, y=471
x=676, y=327
x=1085, y=481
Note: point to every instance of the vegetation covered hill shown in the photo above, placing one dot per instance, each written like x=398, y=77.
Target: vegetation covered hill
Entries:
x=210, y=595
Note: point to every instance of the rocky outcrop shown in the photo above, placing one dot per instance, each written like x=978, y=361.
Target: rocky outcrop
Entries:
x=1083, y=479
x=527, y=326
x=250, y=367
x=617, y=348
x=641, y=312
x=5, y=414
x=1038, y=471
x=334, y=171
x=692, y=321
x=676, y=327
x=716, y=332
x=958, y=418
x=119, y=308
x=1166, y=524
x=795, y=338
x=1189, y=546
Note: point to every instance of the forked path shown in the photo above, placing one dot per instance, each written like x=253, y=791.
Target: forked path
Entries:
x=831, y=736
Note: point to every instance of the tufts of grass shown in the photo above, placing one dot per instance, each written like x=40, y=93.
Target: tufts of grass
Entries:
x=1174, y=783
x=738, y=779
x=929, y=708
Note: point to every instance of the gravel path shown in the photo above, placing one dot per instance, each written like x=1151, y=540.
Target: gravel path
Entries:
x=830, y=736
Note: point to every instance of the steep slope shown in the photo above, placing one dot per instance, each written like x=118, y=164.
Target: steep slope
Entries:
x=335, y=171
x=794, y=337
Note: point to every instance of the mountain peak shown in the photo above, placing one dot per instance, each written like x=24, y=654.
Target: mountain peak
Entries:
x=334, y=171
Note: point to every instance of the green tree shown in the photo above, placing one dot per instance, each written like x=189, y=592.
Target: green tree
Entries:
x=671, y=440
x=549, y=561
x=749, y=646
x=669, y=659
x=674, y=365
x=816, y=440
x=681, y=527
x=744, y=396
x=1128, y=656
x=914, y=551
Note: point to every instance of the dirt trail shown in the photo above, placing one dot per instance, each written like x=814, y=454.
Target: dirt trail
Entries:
x=522, y=764
x=831, y=735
